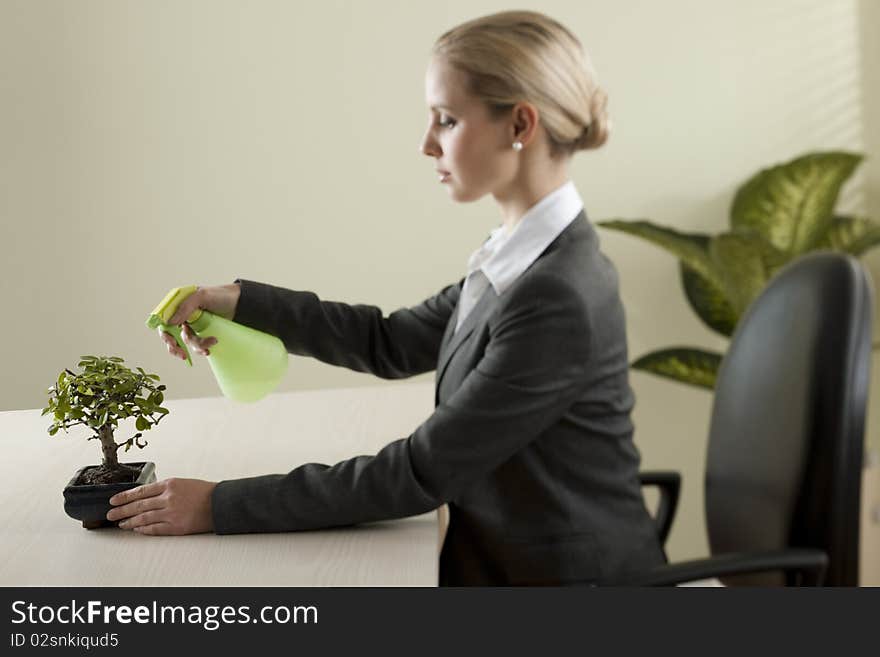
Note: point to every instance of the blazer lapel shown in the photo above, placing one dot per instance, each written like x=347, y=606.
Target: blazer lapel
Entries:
x=579, y=228
x=447, y=335
x=452, y=341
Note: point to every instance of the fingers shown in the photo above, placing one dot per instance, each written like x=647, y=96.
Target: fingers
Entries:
x=171, y=344
x=157, y=529
x=187, y=306
x=197, y=344
x=141, y=519
x=141, y=492
x=193, y=341
x=195, y=301
x=141, y=506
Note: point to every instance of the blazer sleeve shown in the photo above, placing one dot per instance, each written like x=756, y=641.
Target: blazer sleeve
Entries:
x=358, y=337
x=531, y=372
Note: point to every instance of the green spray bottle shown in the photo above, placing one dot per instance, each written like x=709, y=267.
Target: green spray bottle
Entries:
x=248, y=364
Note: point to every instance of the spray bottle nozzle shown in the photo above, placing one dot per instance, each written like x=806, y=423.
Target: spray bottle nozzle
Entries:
x=162, y=314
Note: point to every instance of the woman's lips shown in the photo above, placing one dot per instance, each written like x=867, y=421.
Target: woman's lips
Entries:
x=444, y=175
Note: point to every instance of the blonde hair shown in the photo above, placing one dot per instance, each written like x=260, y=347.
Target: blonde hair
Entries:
x=515, y=56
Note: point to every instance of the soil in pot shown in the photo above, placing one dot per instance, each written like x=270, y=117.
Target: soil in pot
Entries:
x=100, y=474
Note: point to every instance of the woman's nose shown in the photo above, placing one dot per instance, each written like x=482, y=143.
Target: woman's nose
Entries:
x=428, y=146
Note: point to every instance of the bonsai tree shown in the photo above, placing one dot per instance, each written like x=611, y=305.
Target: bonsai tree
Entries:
x=104, y=392
x=778, y=215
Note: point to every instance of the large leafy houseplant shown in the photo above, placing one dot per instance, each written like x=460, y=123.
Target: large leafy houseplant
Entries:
x=778, y=215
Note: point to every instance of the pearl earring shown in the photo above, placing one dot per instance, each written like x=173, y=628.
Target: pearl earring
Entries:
x=517, y=146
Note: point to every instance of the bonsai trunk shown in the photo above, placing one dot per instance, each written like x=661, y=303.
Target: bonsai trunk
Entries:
x=111, y=470
x=108, y=447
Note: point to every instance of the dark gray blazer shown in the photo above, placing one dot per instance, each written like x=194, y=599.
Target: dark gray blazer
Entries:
x=530, y=442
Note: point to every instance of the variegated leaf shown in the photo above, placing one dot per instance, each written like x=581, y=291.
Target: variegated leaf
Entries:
x=854, y=235
x=708, y=301
x=696, y=367
x=792, y=204
x=745, y=262
x=690, y=248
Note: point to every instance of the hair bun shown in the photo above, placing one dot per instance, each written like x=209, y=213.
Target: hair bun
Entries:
x=596, y=133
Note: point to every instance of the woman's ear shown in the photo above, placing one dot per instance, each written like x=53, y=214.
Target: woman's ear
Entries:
x=525, y=122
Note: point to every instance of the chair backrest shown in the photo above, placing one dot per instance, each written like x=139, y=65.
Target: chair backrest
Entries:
x=784, y=460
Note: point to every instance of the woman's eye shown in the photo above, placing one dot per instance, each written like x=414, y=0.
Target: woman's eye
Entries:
x=446, y=122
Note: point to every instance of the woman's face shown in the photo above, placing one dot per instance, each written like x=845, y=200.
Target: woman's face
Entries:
x=473, y=153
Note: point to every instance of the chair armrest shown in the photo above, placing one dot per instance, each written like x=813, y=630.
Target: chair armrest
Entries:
x=669, y=484
x=803, y=566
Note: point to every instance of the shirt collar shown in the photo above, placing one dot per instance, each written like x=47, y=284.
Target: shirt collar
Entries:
x=505, y=256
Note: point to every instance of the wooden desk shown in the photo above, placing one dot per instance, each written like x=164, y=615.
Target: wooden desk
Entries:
x=213, y=439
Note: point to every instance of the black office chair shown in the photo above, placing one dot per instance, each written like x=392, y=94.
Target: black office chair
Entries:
x=784, y=461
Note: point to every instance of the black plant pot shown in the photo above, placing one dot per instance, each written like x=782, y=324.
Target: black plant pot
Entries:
x=90, y=503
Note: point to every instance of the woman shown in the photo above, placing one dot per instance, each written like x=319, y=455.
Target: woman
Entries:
x=530, y=443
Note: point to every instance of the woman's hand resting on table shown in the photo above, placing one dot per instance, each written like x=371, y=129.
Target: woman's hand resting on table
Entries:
x=164, y=508
x=221, y=300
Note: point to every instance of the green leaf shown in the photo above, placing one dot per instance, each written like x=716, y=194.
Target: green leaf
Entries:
x=791, y=204
x=684, y=364
x=854, y=235
x=102, y=394
x=123, y=388
x=53, y=429
x=708, y=301
x=745, y=262
x=690, y=248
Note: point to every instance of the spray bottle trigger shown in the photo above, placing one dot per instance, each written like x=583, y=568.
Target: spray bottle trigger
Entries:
x=176, y=332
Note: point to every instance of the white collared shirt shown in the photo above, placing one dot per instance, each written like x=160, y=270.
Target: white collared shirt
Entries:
x=504, y=256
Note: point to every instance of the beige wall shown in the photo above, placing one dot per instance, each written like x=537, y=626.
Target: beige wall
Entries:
x=147, y=145
x=869, y=34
